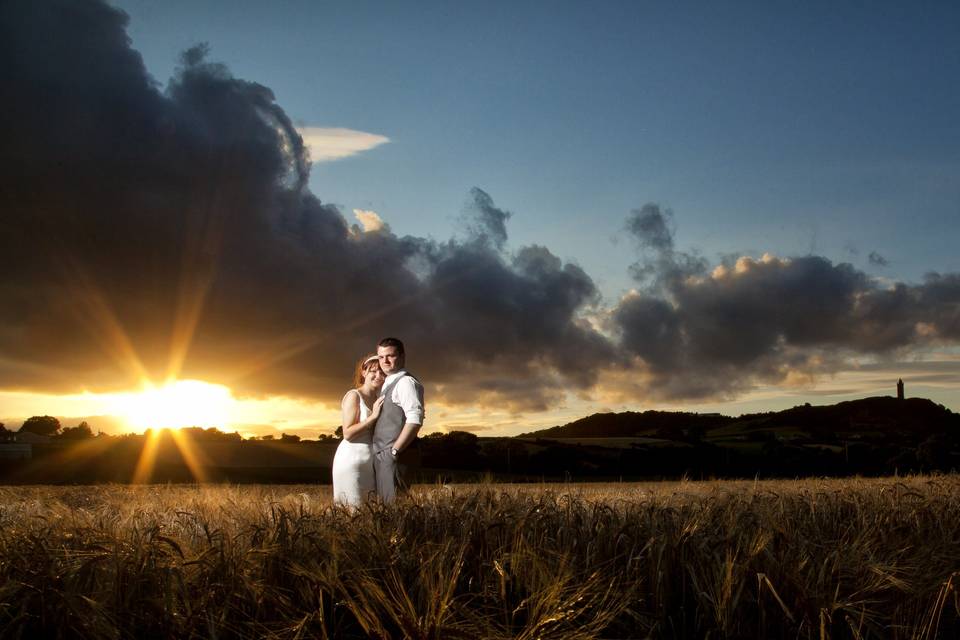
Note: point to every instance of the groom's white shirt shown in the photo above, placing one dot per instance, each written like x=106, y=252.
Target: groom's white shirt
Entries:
x=408, y=394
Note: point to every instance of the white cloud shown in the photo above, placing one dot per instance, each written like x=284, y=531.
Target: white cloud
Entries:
x=369, y=219
x=326, y=144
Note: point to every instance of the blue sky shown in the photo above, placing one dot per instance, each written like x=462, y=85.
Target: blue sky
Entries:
x=792, y=128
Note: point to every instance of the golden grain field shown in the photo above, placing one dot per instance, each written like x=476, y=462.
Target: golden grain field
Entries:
x=779, y=559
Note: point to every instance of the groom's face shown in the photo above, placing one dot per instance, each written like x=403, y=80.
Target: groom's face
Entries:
x=390, y=359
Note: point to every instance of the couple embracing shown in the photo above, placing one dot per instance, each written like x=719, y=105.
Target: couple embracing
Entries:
x=381, y=417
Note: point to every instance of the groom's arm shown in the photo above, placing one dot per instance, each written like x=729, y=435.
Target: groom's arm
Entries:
x=408, y=435
x=409, y=395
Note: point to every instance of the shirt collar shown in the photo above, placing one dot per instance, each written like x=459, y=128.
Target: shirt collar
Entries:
x=393, y=376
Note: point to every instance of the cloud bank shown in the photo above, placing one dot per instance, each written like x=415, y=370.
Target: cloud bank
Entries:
x=149, y=232
x=699, y=334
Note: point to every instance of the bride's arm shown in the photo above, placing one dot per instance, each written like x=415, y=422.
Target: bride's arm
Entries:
x=350, y=410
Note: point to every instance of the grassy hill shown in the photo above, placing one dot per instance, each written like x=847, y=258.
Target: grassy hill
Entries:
x=881, y=417
x=872, y=436
x=632, y=424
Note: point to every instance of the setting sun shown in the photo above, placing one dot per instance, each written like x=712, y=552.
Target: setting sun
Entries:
x=184, y=403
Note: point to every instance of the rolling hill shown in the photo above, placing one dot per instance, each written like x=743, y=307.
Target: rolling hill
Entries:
x=881, y=417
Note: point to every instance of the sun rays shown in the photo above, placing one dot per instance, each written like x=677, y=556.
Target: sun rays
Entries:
x=159, y=410
x=163, y=411
x=189, y=453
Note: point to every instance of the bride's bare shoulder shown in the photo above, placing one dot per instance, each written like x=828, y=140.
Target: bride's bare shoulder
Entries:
x=350, y=398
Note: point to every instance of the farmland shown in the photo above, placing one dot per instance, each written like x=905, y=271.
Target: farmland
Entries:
x=848, y=558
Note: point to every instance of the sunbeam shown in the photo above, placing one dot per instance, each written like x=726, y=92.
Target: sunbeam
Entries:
x=196, y=462
x=148, y=457
x=202, y=242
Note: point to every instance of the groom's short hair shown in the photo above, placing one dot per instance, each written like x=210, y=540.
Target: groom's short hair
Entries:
x=393, y=342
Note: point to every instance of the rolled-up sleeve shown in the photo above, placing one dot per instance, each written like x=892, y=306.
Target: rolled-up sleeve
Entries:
x=408, y=394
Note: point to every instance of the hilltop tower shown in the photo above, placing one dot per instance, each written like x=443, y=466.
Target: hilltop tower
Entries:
x=900, y=389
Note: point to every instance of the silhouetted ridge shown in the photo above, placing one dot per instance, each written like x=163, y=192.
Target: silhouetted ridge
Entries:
x=631, y=423
x=882, y=414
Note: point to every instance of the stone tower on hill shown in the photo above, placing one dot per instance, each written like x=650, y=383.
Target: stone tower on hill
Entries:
x=900, y=389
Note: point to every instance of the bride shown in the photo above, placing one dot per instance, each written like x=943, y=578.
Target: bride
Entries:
x=353, y=477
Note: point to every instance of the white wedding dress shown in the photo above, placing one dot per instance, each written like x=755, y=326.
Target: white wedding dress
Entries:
x=353, y=479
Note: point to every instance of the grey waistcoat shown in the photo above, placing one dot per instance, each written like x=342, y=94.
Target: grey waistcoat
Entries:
x=391, y=420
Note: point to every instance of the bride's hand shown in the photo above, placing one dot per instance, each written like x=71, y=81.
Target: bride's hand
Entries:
x=375, y=411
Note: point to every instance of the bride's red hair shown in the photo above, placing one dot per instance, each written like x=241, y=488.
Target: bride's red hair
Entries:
x=363, y=365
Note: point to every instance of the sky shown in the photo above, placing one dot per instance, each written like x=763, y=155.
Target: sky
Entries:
x=562, y=208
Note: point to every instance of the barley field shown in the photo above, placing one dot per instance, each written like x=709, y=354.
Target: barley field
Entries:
x=877, y=558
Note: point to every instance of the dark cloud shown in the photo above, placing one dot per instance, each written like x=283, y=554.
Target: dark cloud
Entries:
x=777, y=320
x=877, y=260
x=150, y=231
x=660, y=265
x=938, y=302
x=698, y=334
x=650, y=227
x=484, y=222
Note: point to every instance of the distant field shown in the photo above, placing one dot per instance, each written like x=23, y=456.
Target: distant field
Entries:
x=612, y=442
x=739, y=559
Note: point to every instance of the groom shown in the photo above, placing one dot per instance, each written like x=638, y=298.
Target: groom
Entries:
x=399, y=421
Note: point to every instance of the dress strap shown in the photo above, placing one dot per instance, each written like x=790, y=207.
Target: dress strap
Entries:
x=363, y=405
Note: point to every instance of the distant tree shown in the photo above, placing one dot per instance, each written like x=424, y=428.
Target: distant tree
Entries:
x=695, y=433
x=192, y=433
x=4, y=433
x=267, y=437
x=339, y=433
x=506, y=454
x=289, y=438
x=80, y=432
x=457, y=450
x=213, y=433
x=772, y=445
x=41, y=426
x=934, y=453
x=669, y=432
x=210, y=434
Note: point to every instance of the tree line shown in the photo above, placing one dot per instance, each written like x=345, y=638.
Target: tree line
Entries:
x=50, y=427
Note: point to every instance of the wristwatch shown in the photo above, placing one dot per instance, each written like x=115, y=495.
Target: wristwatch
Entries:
x=394, y=452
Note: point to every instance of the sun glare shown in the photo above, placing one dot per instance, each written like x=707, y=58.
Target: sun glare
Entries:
x=184, y=403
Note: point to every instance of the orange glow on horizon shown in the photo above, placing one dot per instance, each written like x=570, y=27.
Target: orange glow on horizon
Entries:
x=183, y=403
